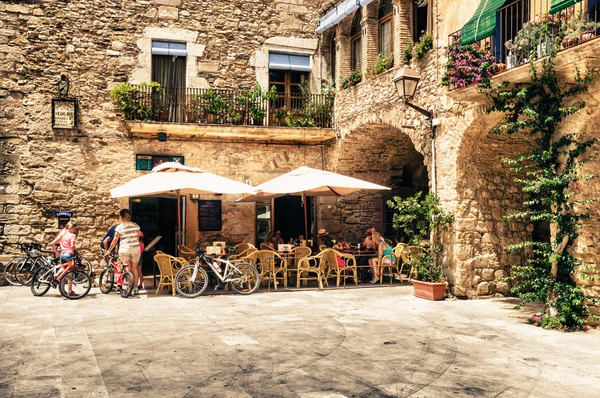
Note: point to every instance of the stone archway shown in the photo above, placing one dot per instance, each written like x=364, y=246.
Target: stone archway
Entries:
x=486, y=193
x=378, y=153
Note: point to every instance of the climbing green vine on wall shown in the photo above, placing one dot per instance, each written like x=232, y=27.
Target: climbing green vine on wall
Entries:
x=548, y=175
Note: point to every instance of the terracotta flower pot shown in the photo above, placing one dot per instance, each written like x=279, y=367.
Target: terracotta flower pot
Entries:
x=429, y=291
x=586, y=36
x=569, y=42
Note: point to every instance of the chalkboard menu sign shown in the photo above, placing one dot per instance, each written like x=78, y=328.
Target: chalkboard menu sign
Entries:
x=209, y=215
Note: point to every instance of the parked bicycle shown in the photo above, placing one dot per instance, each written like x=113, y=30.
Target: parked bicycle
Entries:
x=192, y=281
x=73, y=285
x=18, y=271
x=124, y=280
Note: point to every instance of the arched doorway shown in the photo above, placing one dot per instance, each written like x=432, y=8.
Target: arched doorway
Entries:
x=378, y=153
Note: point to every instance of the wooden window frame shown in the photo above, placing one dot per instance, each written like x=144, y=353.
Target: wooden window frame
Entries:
x=356, y=21
x=287, y=84
x=386, y=18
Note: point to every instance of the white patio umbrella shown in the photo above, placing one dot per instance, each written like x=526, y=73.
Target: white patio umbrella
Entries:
x=173, y=177
x=306, y=181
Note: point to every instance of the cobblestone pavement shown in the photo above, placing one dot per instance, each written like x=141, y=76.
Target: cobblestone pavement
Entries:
x=368, y=342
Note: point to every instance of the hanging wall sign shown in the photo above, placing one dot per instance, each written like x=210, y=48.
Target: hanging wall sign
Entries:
x=64, y=113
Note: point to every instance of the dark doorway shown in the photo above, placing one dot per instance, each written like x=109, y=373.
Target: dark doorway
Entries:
x=156, y=216
x=289, y=216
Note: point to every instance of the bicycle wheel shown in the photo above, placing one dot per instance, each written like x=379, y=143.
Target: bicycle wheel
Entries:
x=9, y=270
x=41, y=281
x=127, y=287
x=87, y=265
x=248, y=278
x=80, y=285
x=24, y=272
x=107, y=280
x=188, y=288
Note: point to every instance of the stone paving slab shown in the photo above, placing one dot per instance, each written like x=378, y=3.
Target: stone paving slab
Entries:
x=374, y=342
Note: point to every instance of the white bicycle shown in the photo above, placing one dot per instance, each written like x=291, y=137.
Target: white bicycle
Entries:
x=192, y=281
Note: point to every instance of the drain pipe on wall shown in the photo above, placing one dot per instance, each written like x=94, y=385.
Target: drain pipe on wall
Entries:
x=434, y=123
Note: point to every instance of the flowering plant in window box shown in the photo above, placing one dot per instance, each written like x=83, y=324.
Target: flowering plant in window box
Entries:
x=351, y=80
x=466, y=65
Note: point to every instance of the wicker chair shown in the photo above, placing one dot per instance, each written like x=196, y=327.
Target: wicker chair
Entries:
x=269, y=270
x=299, y=252
x=239, y=258
x=316, y=265
x=322, y=248
x=265, y=246
x=335, y=271
x=186, y=252
x=394, y=265
x=167, y=274
x=242, y=247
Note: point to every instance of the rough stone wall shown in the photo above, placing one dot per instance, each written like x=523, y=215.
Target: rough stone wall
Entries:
x=95, y=43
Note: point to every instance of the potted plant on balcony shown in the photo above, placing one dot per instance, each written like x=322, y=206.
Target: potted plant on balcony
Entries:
x=192, y=108
x=281, y=115
x=423, y=219
x=214, y=106
x=134, y=100
x=257, y=113
x=162, y=112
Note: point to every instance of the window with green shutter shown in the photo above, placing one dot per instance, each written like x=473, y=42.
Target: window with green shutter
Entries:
x=483, y=22
x=559, y=5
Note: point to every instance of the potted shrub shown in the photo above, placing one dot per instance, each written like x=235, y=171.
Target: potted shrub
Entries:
x=383, y=63
x=162, y=112
x=193, y=108
x=214, y=106
x=257, y=113
x=352, y=80
x=422, y=219
x=282, y=114
x=424, y=45
x=235, y=117
x=134, y=100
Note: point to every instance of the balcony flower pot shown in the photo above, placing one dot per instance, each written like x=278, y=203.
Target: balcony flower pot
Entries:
x=428, y=290
x=569, y=41
x=211, y=118
x=586, y=36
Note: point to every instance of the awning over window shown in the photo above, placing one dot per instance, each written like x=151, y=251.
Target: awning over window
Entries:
x=334, y=16
x=483, y=23
x=559, y=5
x=300, y=63
x=168, y=48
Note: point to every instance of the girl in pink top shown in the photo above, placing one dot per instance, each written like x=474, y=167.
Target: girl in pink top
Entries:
x=66, y=238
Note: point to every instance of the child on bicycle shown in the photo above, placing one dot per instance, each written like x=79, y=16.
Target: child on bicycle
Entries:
x=66, y=239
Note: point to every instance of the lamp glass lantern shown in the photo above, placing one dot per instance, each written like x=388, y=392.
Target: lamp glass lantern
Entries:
x=194, y=197
x=406, y=82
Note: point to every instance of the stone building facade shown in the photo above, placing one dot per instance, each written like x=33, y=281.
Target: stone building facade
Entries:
x=466, y=167
x=377, y=137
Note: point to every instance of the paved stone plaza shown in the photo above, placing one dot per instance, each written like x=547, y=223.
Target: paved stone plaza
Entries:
x=367, y=342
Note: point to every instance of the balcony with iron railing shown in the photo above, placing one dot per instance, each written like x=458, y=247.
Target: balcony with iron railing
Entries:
x=235, y=114
x=525, y=32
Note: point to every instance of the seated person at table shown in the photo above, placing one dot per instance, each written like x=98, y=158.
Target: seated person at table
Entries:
x=341, y=245
x=383, y=249
x=276, y=240
x=324, y=238
x=370, y=243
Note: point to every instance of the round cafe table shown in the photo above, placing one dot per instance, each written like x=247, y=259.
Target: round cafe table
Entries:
x=362, y=262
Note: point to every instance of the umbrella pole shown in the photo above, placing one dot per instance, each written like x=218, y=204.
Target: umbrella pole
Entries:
x=305, y=216
x=178, y=222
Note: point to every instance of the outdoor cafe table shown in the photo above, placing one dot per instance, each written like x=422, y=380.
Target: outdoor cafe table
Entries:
x=362, y=262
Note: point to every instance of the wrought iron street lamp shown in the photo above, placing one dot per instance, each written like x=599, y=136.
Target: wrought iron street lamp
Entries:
x=406, y=82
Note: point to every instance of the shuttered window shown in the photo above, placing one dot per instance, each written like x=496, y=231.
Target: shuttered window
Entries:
x=559, y=5
x=483, y=23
